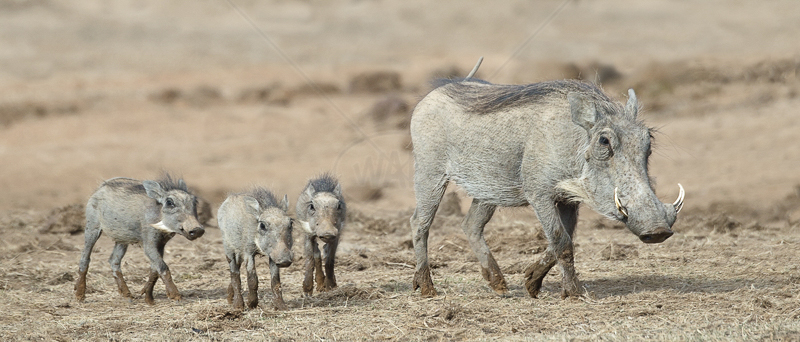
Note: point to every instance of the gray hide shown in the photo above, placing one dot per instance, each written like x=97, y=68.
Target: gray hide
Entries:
x=550, y=145
x=321, y=211
x=146, y=212
x=255, y=223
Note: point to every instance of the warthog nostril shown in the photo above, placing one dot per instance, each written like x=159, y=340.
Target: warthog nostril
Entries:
x=197, y=232
x=327, y=237
x=656, y=236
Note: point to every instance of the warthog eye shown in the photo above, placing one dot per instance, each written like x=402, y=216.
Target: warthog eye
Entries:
x=169, y=203
x=604, y=141
x=262, y=226
x=339, y=206
x=311, y=207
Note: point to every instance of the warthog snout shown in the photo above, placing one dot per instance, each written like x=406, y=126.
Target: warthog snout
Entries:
x=326, y=231
x=283, y=259
x=327, y=237
x=195, y=233
x=656, y=236
x=284, y=263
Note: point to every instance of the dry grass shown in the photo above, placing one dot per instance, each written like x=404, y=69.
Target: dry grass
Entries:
x=698, y=285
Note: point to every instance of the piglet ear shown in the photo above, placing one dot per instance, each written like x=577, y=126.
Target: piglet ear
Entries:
x=252, y=205
x=309, y=191
x=632, y=108
x=583, y=111
x=338, y=190
x=153, y=190
x=285, y=203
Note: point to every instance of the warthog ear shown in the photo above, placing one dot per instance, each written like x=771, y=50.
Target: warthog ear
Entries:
x=583, y=111
x=153, y=190
x=632, y=108
x=338, y=190
x=252, y=205
x=285, y=203
x=309, y=191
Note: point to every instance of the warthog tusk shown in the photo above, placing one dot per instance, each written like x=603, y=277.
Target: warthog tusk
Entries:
x=255, y=241
x=162, y=227
x=679, y=202
x=306, y=227
x=621, y=209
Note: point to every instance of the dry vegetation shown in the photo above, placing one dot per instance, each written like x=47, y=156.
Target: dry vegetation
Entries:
x=725, y=275
x=128, y=89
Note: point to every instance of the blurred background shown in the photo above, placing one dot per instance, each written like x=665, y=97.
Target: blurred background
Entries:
x=232, y=94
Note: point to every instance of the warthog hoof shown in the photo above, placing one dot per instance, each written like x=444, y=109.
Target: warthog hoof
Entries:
x=534, y=274
x=423, y=281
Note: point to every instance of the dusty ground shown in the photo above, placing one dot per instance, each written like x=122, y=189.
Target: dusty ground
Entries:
x=94, y=90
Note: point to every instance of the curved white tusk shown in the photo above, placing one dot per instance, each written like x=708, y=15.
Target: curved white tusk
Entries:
x=621, y=209
x=679, y=202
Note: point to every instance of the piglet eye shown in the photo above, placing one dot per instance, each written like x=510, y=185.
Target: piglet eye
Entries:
x=169, y=203
x=339, y=207
x=311, y=207
x=603, y=141
x=262, y=226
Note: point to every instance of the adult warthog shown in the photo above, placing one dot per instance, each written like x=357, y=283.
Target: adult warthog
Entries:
x=550, y=145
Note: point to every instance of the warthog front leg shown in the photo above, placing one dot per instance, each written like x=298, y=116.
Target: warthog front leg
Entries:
x=558, y=222
x=252, y=282
x=166, y=277
x=275, y=285
x=155, y=252
x=477, y=217
x=147, y=290
x=115, y=260
x=534, y=274
x=172, y=290
x=568, y=212
x=330, y=258
x=312, y=256
x=319, y=275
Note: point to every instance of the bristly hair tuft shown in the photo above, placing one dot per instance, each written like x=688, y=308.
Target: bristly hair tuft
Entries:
x=168, y=182
x=265, y=198
x=481, y=97
x=326, y=182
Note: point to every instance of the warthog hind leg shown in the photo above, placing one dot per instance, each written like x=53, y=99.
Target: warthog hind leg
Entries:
x=91, y=234
x=235, y=287
x=477, y=217
x=115, y=260
x=429, y=187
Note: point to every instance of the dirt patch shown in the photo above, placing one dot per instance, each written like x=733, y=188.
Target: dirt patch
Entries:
x=70, y=219
x=12, y=112
x=390, y=112
x=375, y=82
x=273, y=94
x=616, y=251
